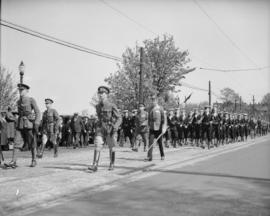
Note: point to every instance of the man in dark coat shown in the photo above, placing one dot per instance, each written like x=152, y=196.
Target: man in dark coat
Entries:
x=157, y=127
x=76, y=126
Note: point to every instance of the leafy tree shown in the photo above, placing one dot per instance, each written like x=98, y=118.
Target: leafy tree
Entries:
x=266, y=100
x=266, y=103
x=228, y=96
x=8, y=91
x=164, y=65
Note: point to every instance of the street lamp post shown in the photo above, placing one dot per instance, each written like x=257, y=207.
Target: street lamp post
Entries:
x=21, y=69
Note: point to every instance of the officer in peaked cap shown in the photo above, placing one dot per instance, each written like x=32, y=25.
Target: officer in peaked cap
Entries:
x=28, y=124
x=109, y=120
x=49, y=127
x=103, y=89
x=22, y=86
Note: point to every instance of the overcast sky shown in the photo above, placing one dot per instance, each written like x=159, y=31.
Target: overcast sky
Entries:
x=71, y=77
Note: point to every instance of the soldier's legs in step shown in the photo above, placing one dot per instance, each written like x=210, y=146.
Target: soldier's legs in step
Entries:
x=98, y=142
x=112, y=141
x=53, y=140
x=43, y=144
x=145, y=138
x=30, y=139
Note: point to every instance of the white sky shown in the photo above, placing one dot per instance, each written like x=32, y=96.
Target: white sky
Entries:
x=72, y=77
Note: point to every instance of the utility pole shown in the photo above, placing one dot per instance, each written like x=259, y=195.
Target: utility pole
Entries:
x=235, y=100
x=141, y=77
x=240, y=103
x=0, y=34
x=209, y=93
x=253, y=106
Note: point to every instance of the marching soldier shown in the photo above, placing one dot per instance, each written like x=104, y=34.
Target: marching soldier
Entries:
x=49, y=127
x=172, y=123
x=28, y=124
x=109, y=119
x=157, y=126
x=127, y=128
x=215, y=126
x=206, y=126
x=246, y=127
x=185, y=126
x=77, y=127
x=191, y=126
x=222, y=127
x=196, y=123
x=141, y=127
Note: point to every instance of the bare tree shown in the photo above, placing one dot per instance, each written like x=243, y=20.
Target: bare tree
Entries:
x=8, y=91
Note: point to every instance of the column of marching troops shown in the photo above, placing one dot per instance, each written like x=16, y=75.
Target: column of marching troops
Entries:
x=203, y=128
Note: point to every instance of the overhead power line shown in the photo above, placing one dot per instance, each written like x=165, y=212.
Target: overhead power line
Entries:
x=52, y=39
x=187, y=85
x=223, y=32
x=128, y=17
x=234, y=70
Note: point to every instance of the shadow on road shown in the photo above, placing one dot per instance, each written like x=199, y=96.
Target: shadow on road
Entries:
x=208, y=174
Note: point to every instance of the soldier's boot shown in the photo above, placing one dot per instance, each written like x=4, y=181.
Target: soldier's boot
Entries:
x=34, y=154
x=55, y=147
x=12, y=164
x=40, y=154
x=112, y=161
x=94, y=167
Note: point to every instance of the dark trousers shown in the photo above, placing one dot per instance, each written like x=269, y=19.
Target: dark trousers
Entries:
x=76, y=137
x=207, y=132
x=130, y=135
x=153, y=135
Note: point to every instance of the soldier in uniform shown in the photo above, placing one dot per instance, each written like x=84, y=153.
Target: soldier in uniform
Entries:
x=126, y=126
x=185, y=123
x=141, y=127
x=246, y=127
x=109, y=119
x=196, y=125
x=49, y=127
x=157, y=126
x=28, y=124
x=172, y=123
x=77, y=127
x=215, y=126
x=206, y=126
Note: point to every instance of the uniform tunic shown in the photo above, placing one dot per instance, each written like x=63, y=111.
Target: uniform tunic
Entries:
x=109, y=120
x=29, y=119
x=50, y=124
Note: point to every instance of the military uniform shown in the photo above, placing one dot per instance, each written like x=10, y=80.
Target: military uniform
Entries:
x=109, y=120
x=50, y=128
x=127, y=128
x=28, y=123
x=141, y=122
x=215, y=128
x=206, y=127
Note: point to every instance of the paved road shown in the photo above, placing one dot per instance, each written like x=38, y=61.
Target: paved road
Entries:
x=236, y=183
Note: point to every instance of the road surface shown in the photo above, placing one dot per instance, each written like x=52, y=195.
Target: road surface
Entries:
x=235, y=183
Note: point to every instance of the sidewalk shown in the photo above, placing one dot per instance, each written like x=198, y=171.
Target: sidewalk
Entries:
x=57, y=179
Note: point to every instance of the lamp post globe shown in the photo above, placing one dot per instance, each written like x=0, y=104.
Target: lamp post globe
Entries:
x=21, y=69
